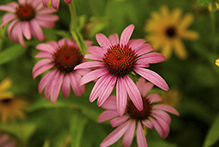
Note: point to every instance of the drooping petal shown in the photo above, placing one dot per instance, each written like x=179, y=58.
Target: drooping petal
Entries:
x=148, y=123
x=26, y=30
x=158, y=127
x=45, y=47
x=133, y=93
x=75, y=81
x=41, y=63
x=129, y=134
x=115, y=135
x=66, y=86
x=45, y=80
x=43, y=55
x=45, y=2
x=141, y=140
x=37, y=30
x=152, y=77
x=143, y=86
x=119, y=120
x=161, y=114
x=121, y=96
x=126, y=34
x=166, y=108
x=154, y=97
x=7, y=18
x=151, y=58
x=110, y=103
x=56, y=87
x=55, y=4
x=41, y=70
x=46, y=10
x=107, y=115
x=7, y=8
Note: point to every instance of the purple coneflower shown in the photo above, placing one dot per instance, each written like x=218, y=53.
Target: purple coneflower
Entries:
x=60, y=58
x=27, y=18
x=113, y=61
x=55, y=3
x=152, y=116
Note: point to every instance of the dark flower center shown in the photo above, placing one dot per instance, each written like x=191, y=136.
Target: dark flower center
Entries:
x=120, y=60
x=134, y=113
x=5, y=101
x=25, y=12
x=66, y=58
x=171, y=32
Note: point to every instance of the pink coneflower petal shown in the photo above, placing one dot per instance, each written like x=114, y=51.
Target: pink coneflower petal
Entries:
x=136, y=43
x=67, y=1
x=106, y=89
x=141, y=140
x=126, y=34
x=158, y=127
x=96, y=50
x=94, y=56
x=7, y=18
x=151, y=58
x=143, y=86
x=45, y=2
x=166, y=108
x=75, y=79
x=14, y=32
x=21, y=1
x=154, y=97
x=53, y=44
x=114, y=39
x=66, y=86
x=55, y=4
x=26, y=30
x=129, y=134
x=45, y=24
x=89, y=65
x=93, y=75
x=163, y=115
x=10, y=26
x=133, y=92
x=110, y=103
x=7, y=8
x=164, y=125
x=115, y=135
x=44, y=81
x=152, y=77
x=48, y=17
x=48, y=88
x=20, y=35
x=119, y=120
x=103, y=41
x=43, y=55
x=121, y=96
x=143, y=49
x=41, y=70
x=148, y=124
x=56, y=87
x=45, y=47
x=40, y=64
x=46, y=11
x=106, y=115
x=13, y=4
x=37, y=30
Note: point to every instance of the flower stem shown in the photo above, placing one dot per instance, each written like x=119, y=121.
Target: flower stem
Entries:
x=74, y=31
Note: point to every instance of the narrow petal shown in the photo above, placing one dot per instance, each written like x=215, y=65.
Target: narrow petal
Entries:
x=26, y=30
x=41, y=70
x=7, y=8
x=20, y=36
x=46, y=10
x=56, y=87
x=135, y=43
x=186, y=21
x=103, y=41
x=107, y=89
x=154, y=97
x=126, y=34
x=94, y=56
x=96, y=50
x=164, y=125
x=143, y=86
x=45, y=47
x=152, y=77
x=133, y=92
x=114, y=39
x=107, y=115
x=43, y=55
x=121, y=96
x=45, y=79
x=47, y=17
x=180, y=49
x=10, y=26
x=151, y=58
x=75, y=79
x=55, y=4
x=119, y=120
x=166, y=108
x=67, y=1
x=148, y=124
x=115, y=135
x=89, y=64
x=41, y=63
x=37, y=30
x=129, y=134
x=110, y=103
x=141, y=140
x=45, y=24
x=45, y=2
x=161, y=114
x=7, y=18
x=93, y=75
x=143, y=49
x=66, y=86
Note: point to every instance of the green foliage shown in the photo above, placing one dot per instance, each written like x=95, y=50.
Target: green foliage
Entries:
x=204, y=2
x=213, y=133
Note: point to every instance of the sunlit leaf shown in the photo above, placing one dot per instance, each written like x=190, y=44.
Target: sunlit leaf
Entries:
x=213, y=134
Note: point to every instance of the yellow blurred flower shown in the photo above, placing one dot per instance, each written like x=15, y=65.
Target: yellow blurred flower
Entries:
x=167, y=29
x=210, y=6
x=11, y=108
x=217, y=62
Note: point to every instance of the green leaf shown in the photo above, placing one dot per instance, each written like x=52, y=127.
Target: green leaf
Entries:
x=77, y=124
x=213, y=133
x=204, y=2
x=11, y=53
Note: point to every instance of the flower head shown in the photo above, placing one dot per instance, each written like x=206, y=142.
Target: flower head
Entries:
x=55, y=3
x=217, y=62
x=11, y=108
x=27, y=18
x=166, y=31
x=153, y=116
x=114, y=61
x=60, y=58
